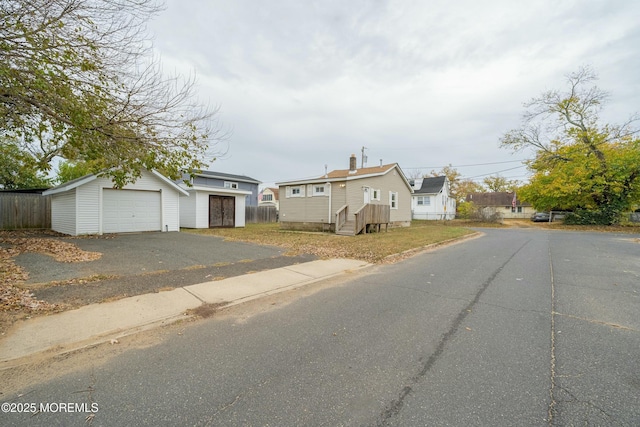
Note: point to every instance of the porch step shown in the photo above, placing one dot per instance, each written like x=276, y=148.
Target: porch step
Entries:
x=347, y=229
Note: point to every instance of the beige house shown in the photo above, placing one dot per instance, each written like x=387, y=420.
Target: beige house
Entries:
x=504, y=203
x=348, y=201
x=269, y=197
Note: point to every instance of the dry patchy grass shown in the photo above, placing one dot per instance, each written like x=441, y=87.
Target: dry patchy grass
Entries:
x=372, y=248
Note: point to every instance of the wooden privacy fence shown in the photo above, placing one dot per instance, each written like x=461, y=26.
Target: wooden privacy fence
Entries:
x=260, y=214
x=18, y=210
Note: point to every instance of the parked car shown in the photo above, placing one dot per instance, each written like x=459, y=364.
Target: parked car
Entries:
x=540, y=217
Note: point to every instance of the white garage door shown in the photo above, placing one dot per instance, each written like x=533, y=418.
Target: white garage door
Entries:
x=125, y=211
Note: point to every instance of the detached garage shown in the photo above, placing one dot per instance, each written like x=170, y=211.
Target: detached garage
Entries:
x=90, y=205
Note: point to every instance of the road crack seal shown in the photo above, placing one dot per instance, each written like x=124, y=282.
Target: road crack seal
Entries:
x=596, y=322
x=394, y=407
x=552, y=402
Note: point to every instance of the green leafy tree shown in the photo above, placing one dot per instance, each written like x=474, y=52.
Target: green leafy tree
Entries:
x=467, y=186
x=580, y=164
x=68, y=171
x=497, y=183
x=18, y=170
x=78, y=81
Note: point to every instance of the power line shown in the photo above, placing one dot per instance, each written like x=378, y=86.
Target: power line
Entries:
x=492, y=173
x=462, y=166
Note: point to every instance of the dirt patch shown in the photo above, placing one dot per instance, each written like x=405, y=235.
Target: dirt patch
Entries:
x=206, y=310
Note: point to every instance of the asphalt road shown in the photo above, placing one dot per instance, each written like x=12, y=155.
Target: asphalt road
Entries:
x=516, y=328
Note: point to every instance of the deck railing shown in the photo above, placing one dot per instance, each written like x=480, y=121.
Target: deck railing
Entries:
x=370, y=214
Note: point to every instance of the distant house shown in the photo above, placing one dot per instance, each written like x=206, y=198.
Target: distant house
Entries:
x=431, y=199
x=217, y=199
x=347, y=201
x=269, y=197
x=504, y=203
x=91, y=205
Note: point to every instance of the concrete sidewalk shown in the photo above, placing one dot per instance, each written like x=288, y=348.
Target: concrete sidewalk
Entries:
x=95, y=323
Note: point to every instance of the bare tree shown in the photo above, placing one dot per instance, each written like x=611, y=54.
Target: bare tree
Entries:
x=78, y=80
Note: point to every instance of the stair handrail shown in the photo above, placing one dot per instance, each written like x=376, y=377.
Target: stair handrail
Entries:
x=361, y=218
x=341, y=217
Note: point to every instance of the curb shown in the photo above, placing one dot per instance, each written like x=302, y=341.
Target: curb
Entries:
x=57, y=349
x=416, y=251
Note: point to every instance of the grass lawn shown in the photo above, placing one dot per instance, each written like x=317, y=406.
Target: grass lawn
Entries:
x=372, y=248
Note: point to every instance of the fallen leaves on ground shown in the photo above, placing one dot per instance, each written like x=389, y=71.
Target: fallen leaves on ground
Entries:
x=59, y=250
x=14, y=243
x=13, y=298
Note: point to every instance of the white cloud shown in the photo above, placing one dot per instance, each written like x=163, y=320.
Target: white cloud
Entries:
x=304, y=84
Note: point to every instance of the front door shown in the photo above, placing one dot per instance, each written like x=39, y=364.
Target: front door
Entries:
x=222, y=211
x=367, y=195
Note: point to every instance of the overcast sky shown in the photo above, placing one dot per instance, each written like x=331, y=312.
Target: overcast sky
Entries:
x=426, y=83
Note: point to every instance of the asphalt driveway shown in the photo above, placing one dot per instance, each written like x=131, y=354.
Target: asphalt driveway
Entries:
x=133, y=264
x=143, y=253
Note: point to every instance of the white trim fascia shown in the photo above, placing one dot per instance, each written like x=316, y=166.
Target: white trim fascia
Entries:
x=62, y=188
x=218, y=190
x=168, y=181
x=227, y=178
x=310, y=181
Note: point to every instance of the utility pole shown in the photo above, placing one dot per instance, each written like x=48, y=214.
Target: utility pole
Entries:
x=364, y=158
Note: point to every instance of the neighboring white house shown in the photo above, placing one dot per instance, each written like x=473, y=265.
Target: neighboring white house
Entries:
x=217, y=200
x=91, y=205
x=431, y=200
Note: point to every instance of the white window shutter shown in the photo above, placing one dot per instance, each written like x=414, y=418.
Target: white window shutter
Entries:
x=288, y=192
x=302, y=187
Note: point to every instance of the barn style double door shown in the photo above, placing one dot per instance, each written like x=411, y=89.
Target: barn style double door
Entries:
x=222, y=211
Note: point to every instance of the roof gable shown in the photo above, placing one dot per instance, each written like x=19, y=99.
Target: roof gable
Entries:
x=274, y=190
x=348, y=175
x=70, y=185
x=431, y=185
x=501, y=198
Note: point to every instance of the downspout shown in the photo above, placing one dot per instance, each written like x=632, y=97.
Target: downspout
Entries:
x=329, y=216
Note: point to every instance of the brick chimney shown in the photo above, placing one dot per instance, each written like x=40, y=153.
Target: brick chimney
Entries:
x=352, y=163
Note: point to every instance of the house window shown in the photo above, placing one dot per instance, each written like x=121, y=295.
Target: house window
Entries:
x=318, y=190
x=229, y=184
x=295, y=191
x=375, y=194
x=393, y=200
x=423, y=200
x=267, y=197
